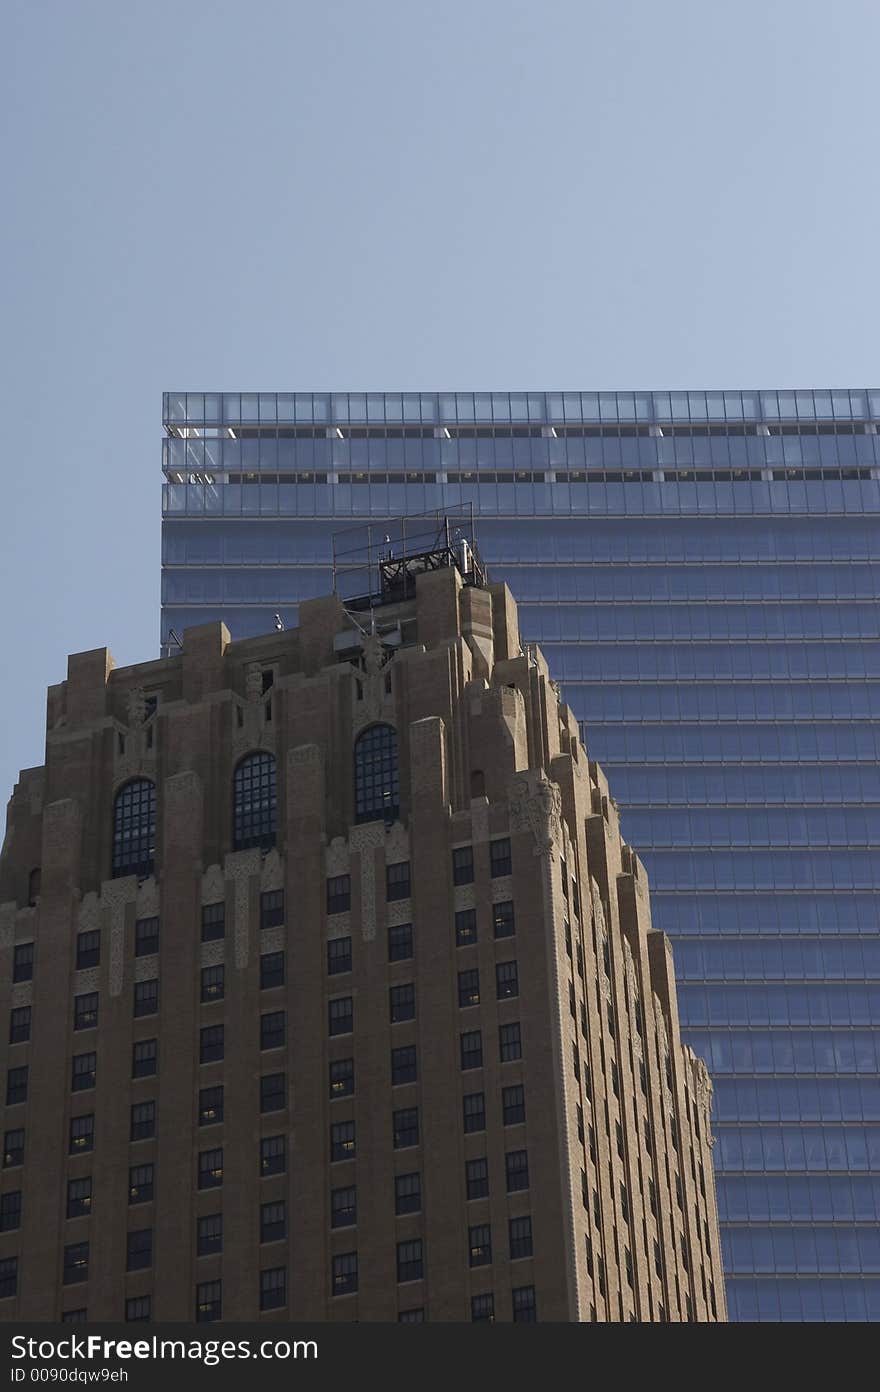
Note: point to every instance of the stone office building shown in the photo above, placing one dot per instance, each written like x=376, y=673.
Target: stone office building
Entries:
x=333, y=995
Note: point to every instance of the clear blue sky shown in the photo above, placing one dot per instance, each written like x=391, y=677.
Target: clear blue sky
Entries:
x=393, y=195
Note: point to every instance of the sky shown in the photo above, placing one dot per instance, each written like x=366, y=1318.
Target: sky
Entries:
x=396, y=195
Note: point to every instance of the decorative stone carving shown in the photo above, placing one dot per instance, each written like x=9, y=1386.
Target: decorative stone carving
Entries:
x=213, y=885
x=146, y=968
x=366, y=839
x=137, y=707
x=337, y=858
x=502, y=889
x=147, y=902
x=536, y=806
x=397, y=843
x=134, y=760
x=89, y=913
x=254, y=733
x=339, y=925
x=212, y=953
x=464, y=897
x=22, y=992
x=272, y=872
x=399, y=911
x=115, y=895
x=253, y=682
x=240, y=867
x=272, y=940
x=87, y=980
x=598, y=909
x=370, y=702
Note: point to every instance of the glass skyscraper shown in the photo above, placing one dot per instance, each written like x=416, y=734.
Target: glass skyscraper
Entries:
x=702, y=571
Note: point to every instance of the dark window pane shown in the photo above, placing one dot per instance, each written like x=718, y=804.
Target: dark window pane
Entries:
x=376, y=790
x=254, y=802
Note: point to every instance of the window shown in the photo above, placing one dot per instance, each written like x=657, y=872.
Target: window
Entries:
x=211, y=1043
x=411, y=1316
x=20, y=1024
x=517, y=1167
x=376, y=788
x=465, y=928
x=513, y=1101
x=143, y=1121
x=345, y=1273
x=524, y=1307
x=76, y=1263
x=624, y=1202
x=10, y=1210
x=211, y=1105
x=85, y=1011
x=211, y=1168
x=13, y=1148
x=397, y=885
x=134, y=829
x=213, y=983
x=402, y=1003
x=343, y=1207
x=273, y=1221
x=405, y=1128
x=146, y=997
x=502, y=918
x=463, y=865
x=143, y=1058
x=506, y=980
x=468, y=988
x=273, y=1092
x=400, y=942
x=342, y=1140
x=34, y=882
x=471, y=1043
x=403, y=1065
x=213, y=922
x=273, y=1288
x=273, y=1030
x=272, y=909
x=342, y=1078
x=480, y=1245
x=8, y=1277
x=273, y=1155
x=618, y=1137
x=338, y=956
x=410, y=1262
x=146, y=937
x=511, y=1045
x=23, y=962
x=271, y=970
x=209, y=1301
x=16, y=1085
x=482, y=1307
x=79, y=1316
x=499, y=857
x=83, y=1074
x=140, y=1184
x=340, y=1015
x=339, y=894
x=474, y=1111
x=476, y=1173
x=139, y=1250
x=88, y=949
x=138, y=1309
x=254, y=802
x=82, y=1134
x=407, y=1193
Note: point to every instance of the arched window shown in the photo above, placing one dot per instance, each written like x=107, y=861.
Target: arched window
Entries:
x=134, y=828
x=254, y=811
x=376, y=783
